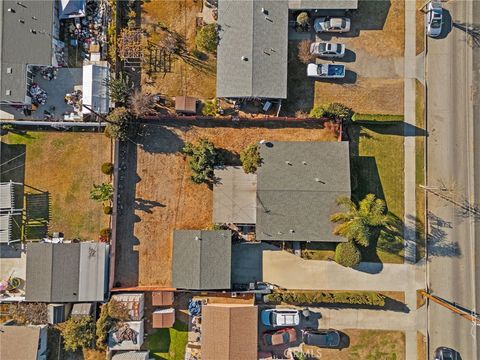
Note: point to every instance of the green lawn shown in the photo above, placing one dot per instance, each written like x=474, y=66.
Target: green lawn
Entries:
x=58, y=170
x=377, y=167
x=169, y=344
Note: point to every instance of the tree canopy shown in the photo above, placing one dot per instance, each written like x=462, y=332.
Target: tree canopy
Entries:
x=358, y=222
x=250, y=158
x=202, y=159
x=78, y=333
x=207, y=38
x=102, y=192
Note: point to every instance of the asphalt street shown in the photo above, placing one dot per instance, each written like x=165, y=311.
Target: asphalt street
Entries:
x=453, y=163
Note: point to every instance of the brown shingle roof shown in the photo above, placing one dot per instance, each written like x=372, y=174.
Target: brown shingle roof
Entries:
x=229, y=332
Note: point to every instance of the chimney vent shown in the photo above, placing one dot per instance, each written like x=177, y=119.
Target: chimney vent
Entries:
x=244, y=58
x=11, y=10
x=288, y=163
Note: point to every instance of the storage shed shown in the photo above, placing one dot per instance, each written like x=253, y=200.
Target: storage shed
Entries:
x=163, y=318
x=186, y=105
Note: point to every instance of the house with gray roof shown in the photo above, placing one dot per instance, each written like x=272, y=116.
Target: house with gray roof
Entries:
x=202, y=259
x=66, y=272
x=252, y=52
x=296, y=189
x=28, y=34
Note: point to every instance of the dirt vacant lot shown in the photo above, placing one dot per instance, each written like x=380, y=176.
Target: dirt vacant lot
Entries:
x=190, y=75
x=167, y=199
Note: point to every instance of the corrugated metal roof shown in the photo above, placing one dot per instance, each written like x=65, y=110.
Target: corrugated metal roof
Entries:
x=234, y=196
x=94, y=89
x=131, y=355
x=66, y=272
x=6, y=195
x=202, y=259
x=298, y=184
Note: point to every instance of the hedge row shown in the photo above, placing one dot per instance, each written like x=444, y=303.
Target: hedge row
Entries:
x=326, y=297
x=376, y=118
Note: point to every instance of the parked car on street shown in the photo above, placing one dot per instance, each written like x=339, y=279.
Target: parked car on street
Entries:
x=322, y=338
x=445, y=353
x=331, y=24
x=280, y=317
x=326, y=49
x=280, y=337
x=326, y=71
x=434, y=18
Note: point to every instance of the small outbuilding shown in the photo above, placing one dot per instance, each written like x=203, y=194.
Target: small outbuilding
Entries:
x=127, y=336
x=163, y=318
x=131, y=355
x=202, y=259
x=134, y=302
x=186, y=105
x=162, y=298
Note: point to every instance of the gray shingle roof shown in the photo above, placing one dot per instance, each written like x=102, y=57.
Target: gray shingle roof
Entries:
x=19, y=46
x=323, y=4
x=203, y=263
x=297, y=186
x=260, y=37
x=66, y=272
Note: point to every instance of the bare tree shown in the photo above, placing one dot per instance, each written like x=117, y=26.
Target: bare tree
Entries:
x=142, y=104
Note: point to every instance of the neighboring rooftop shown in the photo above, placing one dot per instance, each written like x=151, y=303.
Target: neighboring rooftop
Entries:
x=229, y=332
x=234, y=196
x=297, y=187
x=252, y=51
x=323, y=4
x=66, y=272
x=22, y=342
x=26, y=38
x=202, y=259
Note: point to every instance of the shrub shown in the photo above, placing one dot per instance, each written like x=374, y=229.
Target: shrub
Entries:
x=142, y=103
x=334, y=111
x=118, y=89
x=202, y=159
x=107, y=168
x=304, y=55
x=207, y=38
x=347, y=254
x=118, y=126
x=110, y=313
x=210, y=108
x=377, y=118
x=132, y=14
x=131, y=24
x=250, y=158
x=107, y=210
x=77, y=333
x=106, y=232
x=303, y=18
x=370, y=298
x=102, y=192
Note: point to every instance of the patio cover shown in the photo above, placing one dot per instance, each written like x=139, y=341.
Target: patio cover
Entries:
x=5, y=231
x=234, y=196
x=6, y=196
x=72, y=8
x=95, y=92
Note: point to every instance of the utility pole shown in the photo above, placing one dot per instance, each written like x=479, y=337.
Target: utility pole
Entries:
x=470, y=316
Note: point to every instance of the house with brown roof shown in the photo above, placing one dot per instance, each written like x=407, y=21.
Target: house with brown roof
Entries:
x=229, y=331
x=23, y=342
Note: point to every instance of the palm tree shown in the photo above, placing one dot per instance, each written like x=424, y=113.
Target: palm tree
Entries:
x=359, y=222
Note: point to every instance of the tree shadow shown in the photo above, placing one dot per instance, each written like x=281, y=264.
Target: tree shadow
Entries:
x=159, y=139
x=396, y=128
x=437, y=241
x=228, y=158
x=473, y=31
x=147, y=205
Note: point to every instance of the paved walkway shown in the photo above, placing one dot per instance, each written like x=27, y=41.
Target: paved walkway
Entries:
x=409, y=142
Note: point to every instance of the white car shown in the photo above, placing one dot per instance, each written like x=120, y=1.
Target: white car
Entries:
x=326, y=49
x=326, y=71
x=331, y=24
x=434, y=19
x=280, y=317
